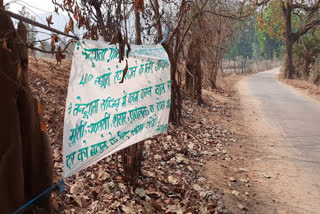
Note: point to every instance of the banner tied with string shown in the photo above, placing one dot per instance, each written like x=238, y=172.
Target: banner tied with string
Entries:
x=112, y=105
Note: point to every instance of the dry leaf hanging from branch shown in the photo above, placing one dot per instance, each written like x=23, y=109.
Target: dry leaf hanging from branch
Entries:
x=69, y=4
x=70, y=25
x=54, y=38
x=49, y=20
x=66, y=29
x=87, y=22
x=75, y=13
x=139, y=5
x=42, y=46
x=81, y=21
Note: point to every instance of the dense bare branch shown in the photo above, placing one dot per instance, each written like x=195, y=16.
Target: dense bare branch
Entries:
x=32, y=22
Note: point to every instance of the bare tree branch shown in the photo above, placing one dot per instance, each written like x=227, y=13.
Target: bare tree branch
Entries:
x=32, y=22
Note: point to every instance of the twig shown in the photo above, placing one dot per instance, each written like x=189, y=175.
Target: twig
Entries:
x=187, y=70
x=201, y=141
x=32, y=22
x=50, y=52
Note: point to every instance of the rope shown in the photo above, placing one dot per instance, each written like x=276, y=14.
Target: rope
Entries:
x=62, y=185
x=165, y=36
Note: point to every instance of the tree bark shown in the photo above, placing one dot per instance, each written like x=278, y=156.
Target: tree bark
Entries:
x=289, y=39
x=101, y=22
x=138, y=27
x=32, y=22
x=193, y=70
x=158, y=22
x=132, y=156
x=289, y=69
x=189, y=73
x=213, y=76
x=26, y=166
x=307, y=66
x=176, y=96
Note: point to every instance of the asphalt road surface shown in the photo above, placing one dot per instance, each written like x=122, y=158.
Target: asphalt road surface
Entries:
x=297, y=118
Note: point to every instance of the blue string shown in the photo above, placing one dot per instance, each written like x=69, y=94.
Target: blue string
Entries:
x=36, y=198
x=165, y=36
x=62, y=186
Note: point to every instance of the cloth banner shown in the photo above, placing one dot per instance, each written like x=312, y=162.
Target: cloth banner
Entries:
x=102, y=114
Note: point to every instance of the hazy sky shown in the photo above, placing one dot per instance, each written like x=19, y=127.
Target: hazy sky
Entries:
x=37, y=6
x=40, y=9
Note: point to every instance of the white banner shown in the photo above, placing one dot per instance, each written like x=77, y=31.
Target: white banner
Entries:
x=103, y=115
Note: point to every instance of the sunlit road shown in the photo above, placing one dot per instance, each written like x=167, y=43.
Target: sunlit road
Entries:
x=297, y=118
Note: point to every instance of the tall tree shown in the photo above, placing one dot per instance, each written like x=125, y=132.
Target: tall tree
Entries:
x=309, y=16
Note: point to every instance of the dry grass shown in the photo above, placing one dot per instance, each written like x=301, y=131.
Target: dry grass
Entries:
x=303, y=85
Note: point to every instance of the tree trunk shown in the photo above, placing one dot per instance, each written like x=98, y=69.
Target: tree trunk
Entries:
x=158, y=22
x=176, y=97
x=288, y=70
x=193, y=71
x=189, y=78
x=217, y=59
x=138, y=27
x=189, y=71
x=306, y=68
x=288, y=38
x=132, y=156
x=103, y=28
x=26, y=165
x=213, y=78
x=198, y=78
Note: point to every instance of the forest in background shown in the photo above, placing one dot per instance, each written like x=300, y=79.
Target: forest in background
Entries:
x=262, y=37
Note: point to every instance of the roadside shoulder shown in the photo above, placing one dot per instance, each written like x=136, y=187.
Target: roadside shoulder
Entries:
x=302, y=87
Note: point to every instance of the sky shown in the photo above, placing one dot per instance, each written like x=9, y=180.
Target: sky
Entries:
x=37, y=6
x=40, y=9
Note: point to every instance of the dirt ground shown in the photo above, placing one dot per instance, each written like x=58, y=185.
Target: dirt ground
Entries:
x=189, y=170
x=279, y=182
x=212, y=164
x=238, y=176
x=262, y=173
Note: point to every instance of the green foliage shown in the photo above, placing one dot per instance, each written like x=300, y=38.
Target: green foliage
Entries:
x=308, y=44
x=243, y=44
x=269, y=29
x=255, y=42
x=305, y=52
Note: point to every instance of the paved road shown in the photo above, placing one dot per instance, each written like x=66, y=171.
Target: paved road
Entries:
x=298, y=119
